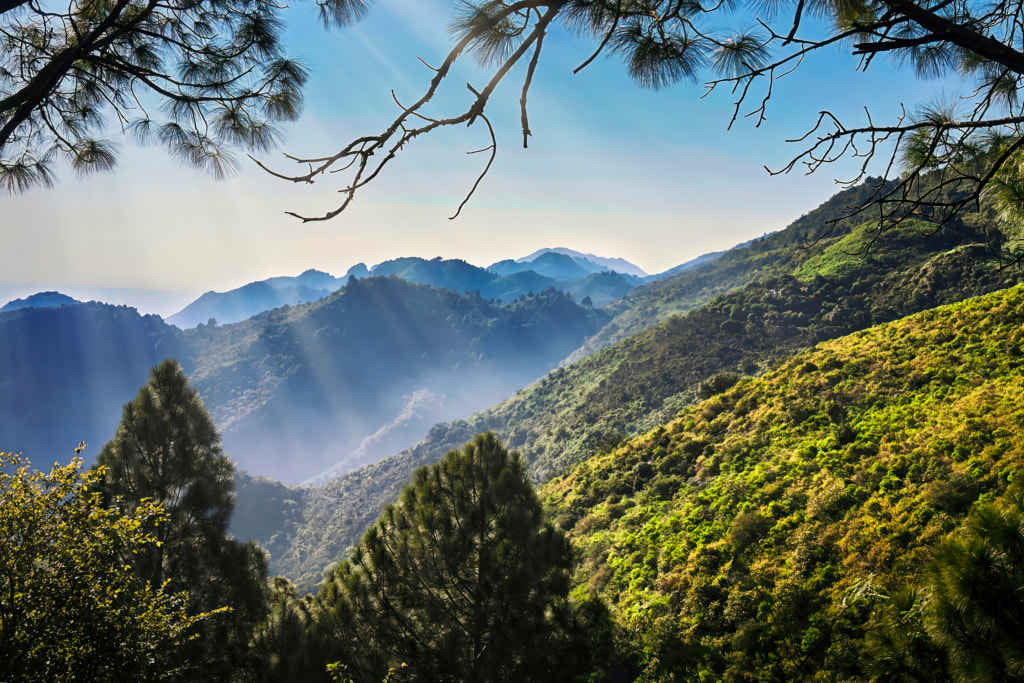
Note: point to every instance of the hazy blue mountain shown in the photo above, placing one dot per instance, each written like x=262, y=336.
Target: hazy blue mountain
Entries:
x=357, y=271
x=366, y=371
x=549, y=264
x=603, y=288
x=241, y=303
x=619, y=265
x=508, y=267
x=508, y=280
x=311, y=279
x=511, y=287
x=561, y=266
x=683, y=267
x=40, y=300
x=66, y=371
x=550, y=268
x=454, y=274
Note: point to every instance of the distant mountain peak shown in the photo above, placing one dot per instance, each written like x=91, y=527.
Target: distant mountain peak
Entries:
x=359, y=270
x=40, y=300
x=240, y=303
x=619, y=265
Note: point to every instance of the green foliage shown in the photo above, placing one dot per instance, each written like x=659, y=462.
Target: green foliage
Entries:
x=167, y=450
x=72, y=606
x=218, y=72
x=977, y=594
x=770, y=520
x=457, y=581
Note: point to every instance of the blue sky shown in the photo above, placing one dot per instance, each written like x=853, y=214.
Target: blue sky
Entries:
x=613, y=169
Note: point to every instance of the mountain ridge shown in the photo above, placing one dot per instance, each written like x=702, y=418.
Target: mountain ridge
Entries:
x=39, y=300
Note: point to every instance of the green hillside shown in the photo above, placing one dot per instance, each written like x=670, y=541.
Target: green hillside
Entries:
x=777, y=254
x=751, y=537
x=645, y=380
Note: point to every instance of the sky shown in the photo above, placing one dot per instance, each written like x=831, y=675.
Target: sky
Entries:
x=612, y=169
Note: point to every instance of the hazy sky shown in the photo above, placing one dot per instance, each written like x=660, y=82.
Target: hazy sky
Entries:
x=653, y=177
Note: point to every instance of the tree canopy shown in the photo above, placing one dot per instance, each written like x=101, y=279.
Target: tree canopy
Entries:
x=663, y=42
x=456, y=581
x=167, y=450
x=216, y=71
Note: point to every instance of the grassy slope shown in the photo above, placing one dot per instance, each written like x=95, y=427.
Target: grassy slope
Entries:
x=749, y=538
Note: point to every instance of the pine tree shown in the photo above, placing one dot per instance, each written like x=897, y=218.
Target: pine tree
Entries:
x=279, y=642
x=167, y=450
x=457, y=582
x=898, y=648
x=977, y=584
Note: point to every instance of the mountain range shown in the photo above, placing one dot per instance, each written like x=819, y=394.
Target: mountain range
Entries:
x=365, y=371
x=297, y=391
x=568, y=271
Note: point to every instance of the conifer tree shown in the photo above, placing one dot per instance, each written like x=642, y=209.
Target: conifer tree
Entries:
x=457, y=582
x=977, y=584
x=278, y=643
x=167, y=450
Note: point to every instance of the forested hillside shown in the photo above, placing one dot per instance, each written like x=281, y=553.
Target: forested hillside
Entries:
x=760, y=534
x=776, y=254
x=362, y=373
x=849, y=283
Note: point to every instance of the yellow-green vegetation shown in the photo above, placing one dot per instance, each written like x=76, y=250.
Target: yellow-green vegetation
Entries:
x=751, y=537
x=71, y=604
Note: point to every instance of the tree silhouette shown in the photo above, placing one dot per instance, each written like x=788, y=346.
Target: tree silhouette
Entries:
x=217, y=70
x=167, y=450
x=662, y=42
x=457, y=581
